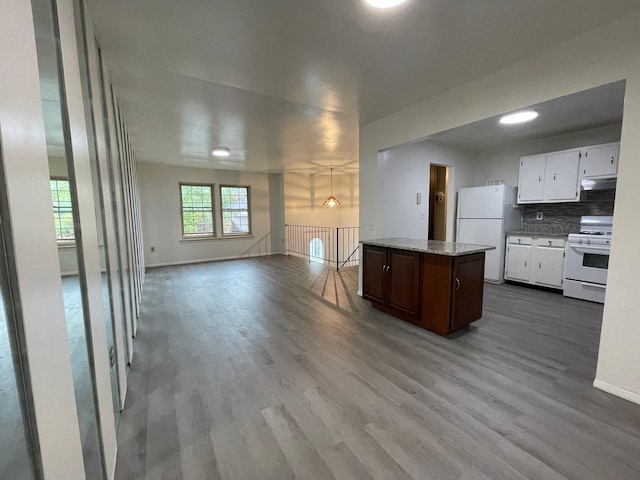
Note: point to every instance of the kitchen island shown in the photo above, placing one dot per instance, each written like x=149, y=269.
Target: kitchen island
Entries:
x=435, y=285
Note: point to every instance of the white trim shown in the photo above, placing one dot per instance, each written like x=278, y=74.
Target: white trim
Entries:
x=214, y=238
x=617, y=391
x=207, y=260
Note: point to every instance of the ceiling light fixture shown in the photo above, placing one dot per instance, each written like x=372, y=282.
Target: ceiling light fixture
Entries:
x=221, y=152
x=331, y=201
x=384, y=3
x=519, y=117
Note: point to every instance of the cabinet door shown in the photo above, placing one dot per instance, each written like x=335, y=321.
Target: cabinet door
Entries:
x=600, y=160
x=531, y=181
x=467, y=288
x=548, y=267
x=561, y=177
x=518, y=263
x=404, y=281
x=373, y=274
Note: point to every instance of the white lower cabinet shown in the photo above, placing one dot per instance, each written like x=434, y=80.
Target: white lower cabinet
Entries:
x=535, y=260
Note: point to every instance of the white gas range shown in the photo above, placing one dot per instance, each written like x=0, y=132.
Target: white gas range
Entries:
x=587, y=259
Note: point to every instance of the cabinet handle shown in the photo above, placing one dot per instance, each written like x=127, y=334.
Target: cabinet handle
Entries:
x=388, y=269
x=549, y=242
x=539, y=178
x=540, y=265
x=554, y=177
x=585, y=171
x=457, y=283
x=612, y=159
x=525, y=263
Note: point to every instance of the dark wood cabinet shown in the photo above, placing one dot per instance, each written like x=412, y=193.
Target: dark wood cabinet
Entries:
x=452, y=291
x=468, y=288
x=437, y=292
x=391, y=278
x=404, y=281
x=373, y=273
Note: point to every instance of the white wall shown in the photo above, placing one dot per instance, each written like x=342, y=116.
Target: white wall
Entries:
x=305, y=193
x=502, y=163
x=276, y=211
x=161, y=219
x=405, y=172
x=605, y=55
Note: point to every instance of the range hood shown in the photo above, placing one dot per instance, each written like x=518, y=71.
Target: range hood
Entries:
x=599, y=183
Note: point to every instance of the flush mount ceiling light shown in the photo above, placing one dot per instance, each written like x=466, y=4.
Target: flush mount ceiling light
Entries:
x=384, y=3
x=221, y=152
x=331, y=201
x=518, y=117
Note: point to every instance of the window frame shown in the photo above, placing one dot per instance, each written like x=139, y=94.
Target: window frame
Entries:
x=198, y=236
x=63, y=242
x=222, y=210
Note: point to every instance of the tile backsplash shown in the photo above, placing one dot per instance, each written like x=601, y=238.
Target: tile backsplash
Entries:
x=564, y=218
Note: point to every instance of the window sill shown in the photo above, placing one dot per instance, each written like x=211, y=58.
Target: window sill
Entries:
x=62, y=245
x=226, y=237
x=198, y=239
x=236, y=237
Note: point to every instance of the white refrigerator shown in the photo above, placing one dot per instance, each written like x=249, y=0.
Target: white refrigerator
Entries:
x=485, y=214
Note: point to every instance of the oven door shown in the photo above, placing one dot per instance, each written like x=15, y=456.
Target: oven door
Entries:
x=587, y=263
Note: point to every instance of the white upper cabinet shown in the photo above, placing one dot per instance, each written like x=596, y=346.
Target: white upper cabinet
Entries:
x=561, y=177
x=532, y=176
x=555, y=177
x=600, y=160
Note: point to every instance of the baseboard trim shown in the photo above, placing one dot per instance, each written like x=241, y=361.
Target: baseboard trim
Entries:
x=207, y=260
x=617, y=391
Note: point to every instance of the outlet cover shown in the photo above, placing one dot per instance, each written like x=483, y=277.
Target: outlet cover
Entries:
x=539, y=215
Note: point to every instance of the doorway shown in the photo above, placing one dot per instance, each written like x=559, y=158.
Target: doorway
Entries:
x=438, y=180
x=316, y=250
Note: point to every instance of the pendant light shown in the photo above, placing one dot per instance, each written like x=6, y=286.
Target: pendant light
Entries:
x=331, y=201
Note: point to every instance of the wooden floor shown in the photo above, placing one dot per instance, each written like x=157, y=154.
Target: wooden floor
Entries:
x=274, y=368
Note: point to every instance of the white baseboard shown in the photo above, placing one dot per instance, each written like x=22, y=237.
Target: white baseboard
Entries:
x=206, y=260
x=617, y=391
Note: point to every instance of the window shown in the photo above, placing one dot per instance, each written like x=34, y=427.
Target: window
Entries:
x=197, y=211
x=235, y=210
x=62, y=210
x=316, y=250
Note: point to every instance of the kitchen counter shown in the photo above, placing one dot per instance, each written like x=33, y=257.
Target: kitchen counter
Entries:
x=449, y=249
x=537, y=234
x=435, y=285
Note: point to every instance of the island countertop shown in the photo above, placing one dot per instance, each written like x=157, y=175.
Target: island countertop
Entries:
x=449, y=249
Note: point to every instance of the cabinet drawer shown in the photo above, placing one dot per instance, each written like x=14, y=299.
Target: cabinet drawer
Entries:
x=550, y=242
x=518, y=240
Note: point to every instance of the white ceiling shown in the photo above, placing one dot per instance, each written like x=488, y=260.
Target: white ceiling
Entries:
x=285, y=84
x=591, y=108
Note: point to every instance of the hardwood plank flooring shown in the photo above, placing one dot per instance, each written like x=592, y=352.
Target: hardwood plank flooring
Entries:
x=274, y=368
